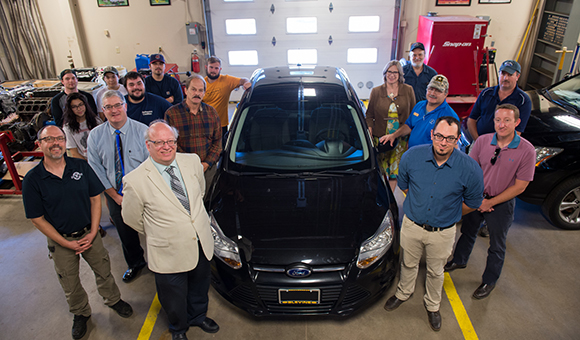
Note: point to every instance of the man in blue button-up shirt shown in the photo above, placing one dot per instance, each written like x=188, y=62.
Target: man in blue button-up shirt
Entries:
x=101, y=149
x=441, y=184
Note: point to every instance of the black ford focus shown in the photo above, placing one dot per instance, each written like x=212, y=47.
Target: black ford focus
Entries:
x=302, y=219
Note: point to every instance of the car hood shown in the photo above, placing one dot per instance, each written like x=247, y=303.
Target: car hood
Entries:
x=551, y=124
x=312, y=219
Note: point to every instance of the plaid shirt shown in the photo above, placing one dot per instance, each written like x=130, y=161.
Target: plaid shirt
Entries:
x=200, y=134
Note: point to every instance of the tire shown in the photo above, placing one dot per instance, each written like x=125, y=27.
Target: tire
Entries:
x=562, y=206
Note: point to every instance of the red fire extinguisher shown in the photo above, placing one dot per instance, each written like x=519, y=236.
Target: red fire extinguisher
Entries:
x=194, y=62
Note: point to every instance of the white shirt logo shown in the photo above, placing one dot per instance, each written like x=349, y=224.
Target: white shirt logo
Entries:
x=76, y=175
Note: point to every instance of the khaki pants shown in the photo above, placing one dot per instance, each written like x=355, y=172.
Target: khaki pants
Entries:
x=438, y=246
x=66, y=264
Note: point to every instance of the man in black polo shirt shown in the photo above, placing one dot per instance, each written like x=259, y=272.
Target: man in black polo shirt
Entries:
x=61, y=197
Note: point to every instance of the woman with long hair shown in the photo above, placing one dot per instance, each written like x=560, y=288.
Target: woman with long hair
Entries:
x=389, y=107
x=79, y=120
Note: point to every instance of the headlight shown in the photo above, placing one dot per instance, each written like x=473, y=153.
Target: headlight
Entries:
x=544, y=153
x=224, y=248
x=376, y=246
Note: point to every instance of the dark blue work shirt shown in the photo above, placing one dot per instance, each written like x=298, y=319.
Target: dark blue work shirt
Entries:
x=167, y=87
x=484, y=109
x=64, y=202
x=152, y=107
x=419, y=82
x=436, y=193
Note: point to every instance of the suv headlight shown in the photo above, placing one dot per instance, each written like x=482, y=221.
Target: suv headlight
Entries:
x=377, y=245
x=543, y=153
x=224, y=248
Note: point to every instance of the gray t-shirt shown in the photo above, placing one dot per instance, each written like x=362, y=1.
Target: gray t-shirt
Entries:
x=78, y=140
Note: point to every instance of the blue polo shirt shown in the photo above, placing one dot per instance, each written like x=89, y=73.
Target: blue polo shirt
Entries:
x=64, y=202
x=151, y=108
x=436, y=193
x=484, y=109
x=167, y=87
x=419, y=82
x=421, y=122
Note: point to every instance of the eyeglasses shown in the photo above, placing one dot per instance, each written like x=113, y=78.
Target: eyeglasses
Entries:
x=160, y=143
x=495, y=154
x=51, y=139
x=74, y=107
x=392, y=72
x=439, y=137
x=115, y=106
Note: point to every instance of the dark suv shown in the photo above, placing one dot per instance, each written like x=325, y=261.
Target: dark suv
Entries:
x=302, y=219
x=554, y=129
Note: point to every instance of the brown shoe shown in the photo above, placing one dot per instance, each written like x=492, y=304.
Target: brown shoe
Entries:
x=393, y=303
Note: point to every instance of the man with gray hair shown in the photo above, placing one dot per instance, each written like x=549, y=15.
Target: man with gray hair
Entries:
x=191, y=116
x=164, y=201
x=114, y=149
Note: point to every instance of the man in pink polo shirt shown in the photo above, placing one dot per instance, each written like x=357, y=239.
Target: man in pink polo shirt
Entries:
x=508, y=163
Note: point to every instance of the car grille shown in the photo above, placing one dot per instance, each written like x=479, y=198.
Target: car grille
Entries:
x=244, y=293
x=354, y=294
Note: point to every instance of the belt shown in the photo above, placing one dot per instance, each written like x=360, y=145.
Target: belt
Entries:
x=430, y=228
x=79, y=233
x=487, y=196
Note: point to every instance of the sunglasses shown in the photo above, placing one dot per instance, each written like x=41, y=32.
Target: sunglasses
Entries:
x=495, y=154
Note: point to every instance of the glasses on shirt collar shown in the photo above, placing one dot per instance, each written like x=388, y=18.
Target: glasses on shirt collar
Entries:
x=495, y=154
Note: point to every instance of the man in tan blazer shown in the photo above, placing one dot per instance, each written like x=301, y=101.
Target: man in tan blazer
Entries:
x=163, y=199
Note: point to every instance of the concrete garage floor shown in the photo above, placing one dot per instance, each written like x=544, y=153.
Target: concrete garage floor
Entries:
x=537, y=297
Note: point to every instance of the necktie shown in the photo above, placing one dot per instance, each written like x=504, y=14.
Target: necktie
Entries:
x=177, y=188
x=119, y=168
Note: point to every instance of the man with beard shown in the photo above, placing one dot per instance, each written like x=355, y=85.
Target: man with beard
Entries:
x=163, y=84
x=114, y=149
x=480, y=119
x=198, y=125
x=422, y=119
x=111, y=78
x=143, y=106
x=416, y=73
x=70, y=83
x=61, y=197
x=442, y=184
x=219, y=88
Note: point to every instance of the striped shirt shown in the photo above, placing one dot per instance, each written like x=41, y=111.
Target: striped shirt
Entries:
x=200, y=134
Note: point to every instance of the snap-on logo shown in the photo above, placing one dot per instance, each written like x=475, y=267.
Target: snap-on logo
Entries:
x=456, y=44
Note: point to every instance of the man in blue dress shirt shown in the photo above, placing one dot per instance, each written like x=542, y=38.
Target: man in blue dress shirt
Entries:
x=442, y=184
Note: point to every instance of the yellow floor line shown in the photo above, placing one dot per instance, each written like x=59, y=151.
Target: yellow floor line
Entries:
x=149, y=323
x=458, y=309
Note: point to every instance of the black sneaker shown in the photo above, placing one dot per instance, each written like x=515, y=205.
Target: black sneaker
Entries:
x=79, y=328
x=122, y=308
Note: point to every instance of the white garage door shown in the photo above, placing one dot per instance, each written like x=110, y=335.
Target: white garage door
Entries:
x=355, y=35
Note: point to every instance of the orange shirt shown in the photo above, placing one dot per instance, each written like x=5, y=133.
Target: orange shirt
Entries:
x=218, y=93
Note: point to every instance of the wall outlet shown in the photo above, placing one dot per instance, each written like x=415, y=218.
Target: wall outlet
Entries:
x=117, y=50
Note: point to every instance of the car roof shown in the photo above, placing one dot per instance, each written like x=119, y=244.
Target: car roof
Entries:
x=295, y=74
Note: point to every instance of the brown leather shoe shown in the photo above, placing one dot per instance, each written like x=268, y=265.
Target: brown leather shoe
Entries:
x=483, y=291
x=393, y=303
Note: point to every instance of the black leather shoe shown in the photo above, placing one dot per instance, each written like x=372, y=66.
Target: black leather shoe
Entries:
x=209, y=326
x=434, y=320
x=393, y=303
x=79, y=328
x=122, y=308
x=180, y=336
x=483, y=291
x=132, y=273
x=451, y=266
x=483, y=231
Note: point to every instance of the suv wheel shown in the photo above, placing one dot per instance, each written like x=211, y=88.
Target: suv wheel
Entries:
x=562, y=206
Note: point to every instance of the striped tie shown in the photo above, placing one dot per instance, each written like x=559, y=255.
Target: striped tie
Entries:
x=119, y=168
x=177, y=188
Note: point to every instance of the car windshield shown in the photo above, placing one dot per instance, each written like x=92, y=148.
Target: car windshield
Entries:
x=299, y=127
x=568, y=92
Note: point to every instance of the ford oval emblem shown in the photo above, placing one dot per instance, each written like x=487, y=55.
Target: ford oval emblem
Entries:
x=299, y=271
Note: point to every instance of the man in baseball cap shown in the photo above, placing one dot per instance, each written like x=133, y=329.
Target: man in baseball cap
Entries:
x=111, y=78
x=70, y=82
x=162, y=84
x=422, y=119
x=416, y=73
